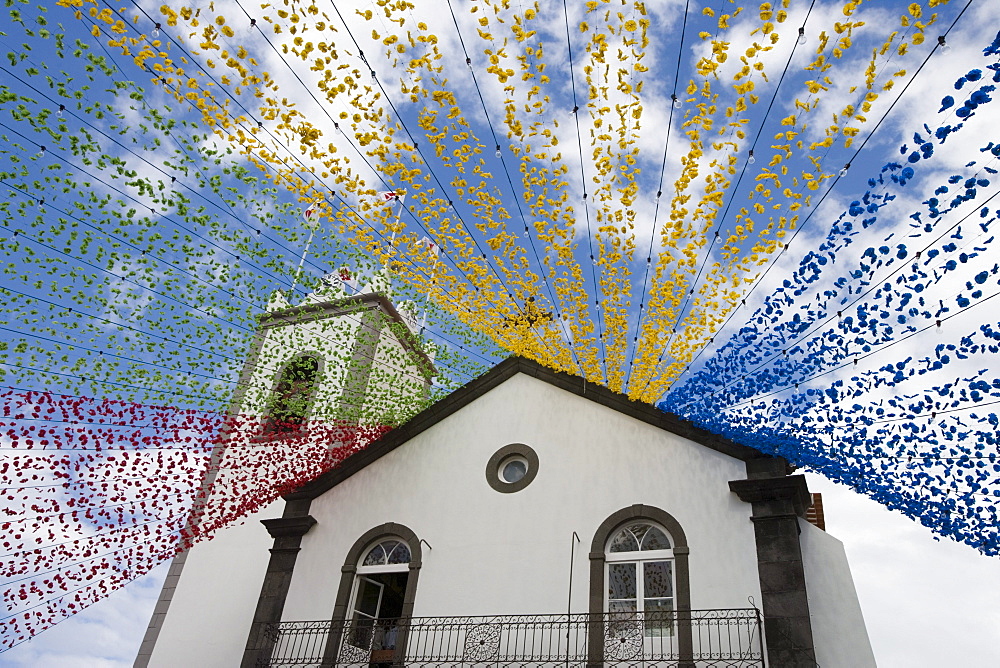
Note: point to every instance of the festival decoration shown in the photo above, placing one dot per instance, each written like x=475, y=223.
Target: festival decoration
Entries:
x=599, y=186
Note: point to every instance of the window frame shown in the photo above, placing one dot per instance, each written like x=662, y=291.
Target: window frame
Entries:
x=500, y=458
x=639, y=558
x=347, y=591
x=598, y=575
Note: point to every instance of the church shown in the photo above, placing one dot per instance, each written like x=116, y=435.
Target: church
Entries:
x=529, y=518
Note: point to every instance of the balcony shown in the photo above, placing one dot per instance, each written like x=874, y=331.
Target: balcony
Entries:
x=686, y=639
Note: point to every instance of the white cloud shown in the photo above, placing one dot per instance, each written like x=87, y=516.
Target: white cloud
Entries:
x=105, y=635
x=926, y=603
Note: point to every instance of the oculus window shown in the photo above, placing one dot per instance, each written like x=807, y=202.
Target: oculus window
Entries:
x=512, y=468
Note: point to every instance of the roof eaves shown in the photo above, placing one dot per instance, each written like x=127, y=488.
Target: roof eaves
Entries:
x=503, y=371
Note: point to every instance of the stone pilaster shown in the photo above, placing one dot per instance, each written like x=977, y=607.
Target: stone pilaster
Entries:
x=777, y=501
x=287, y=533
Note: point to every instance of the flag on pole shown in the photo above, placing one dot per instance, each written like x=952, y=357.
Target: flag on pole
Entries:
x=427, y=244
x=311, y=216
x=393, y=196
x=348, y=278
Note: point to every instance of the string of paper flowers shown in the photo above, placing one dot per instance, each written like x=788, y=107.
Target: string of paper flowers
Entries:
x=601, y=187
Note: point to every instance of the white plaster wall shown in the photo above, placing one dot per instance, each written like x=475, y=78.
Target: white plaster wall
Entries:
x=209, y=618
x=499, y=553
x=839, y=632
x=397, y=385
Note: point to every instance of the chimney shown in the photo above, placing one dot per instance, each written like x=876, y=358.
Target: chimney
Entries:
x=815, y=512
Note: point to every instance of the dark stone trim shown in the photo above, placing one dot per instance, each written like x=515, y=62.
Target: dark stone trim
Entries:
x=502, y=372
x=775, y=491
x=287, y=532
x=350, y=568
x=347, y=305
x=682, y=597
x=160, y=611
x=493, y=468
x=289, y=527
x=777, y=503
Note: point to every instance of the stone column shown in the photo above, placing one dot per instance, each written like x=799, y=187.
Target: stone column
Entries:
x=777, y=501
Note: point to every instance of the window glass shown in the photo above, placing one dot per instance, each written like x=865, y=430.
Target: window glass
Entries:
x=376, y=556
x=400, y=554
x=621, y=581
x=369, y=597
x=640, y=580
x=658, y=616
x=624, y=605
x=624, y=541
x=390, y=551
x=636, y=537
x=658, y=579
x=514, y=470
x=654, y=539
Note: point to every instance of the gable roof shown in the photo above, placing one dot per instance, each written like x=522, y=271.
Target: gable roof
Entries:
x=502, y=372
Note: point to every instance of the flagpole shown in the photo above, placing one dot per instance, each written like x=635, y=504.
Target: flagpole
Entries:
x=399, y=214
x=312, y=222
x=302, y=261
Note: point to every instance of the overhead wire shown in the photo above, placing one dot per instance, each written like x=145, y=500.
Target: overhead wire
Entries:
x=152, y=165
x=19, y=232
x=180, y=46
x=874, y=285
x=815, y=208
x=659, y=193
x=416, y=148
x=510, y=183
x=598, y=317
x=715, y=237
x=732, y=195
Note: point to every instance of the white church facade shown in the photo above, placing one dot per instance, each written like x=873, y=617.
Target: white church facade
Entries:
x=527, y=519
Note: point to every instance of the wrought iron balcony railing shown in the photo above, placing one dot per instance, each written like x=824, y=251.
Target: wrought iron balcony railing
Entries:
x=686, y=639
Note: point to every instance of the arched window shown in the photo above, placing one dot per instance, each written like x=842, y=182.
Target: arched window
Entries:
x=377, y=605
x=375, y=599
x=640, y=595
x=292, y=397
x=640, y=576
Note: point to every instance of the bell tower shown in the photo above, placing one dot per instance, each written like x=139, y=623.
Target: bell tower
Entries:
x=336, y=358
x=320, y=379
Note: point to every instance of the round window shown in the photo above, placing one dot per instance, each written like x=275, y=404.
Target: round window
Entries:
x=512, y=468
